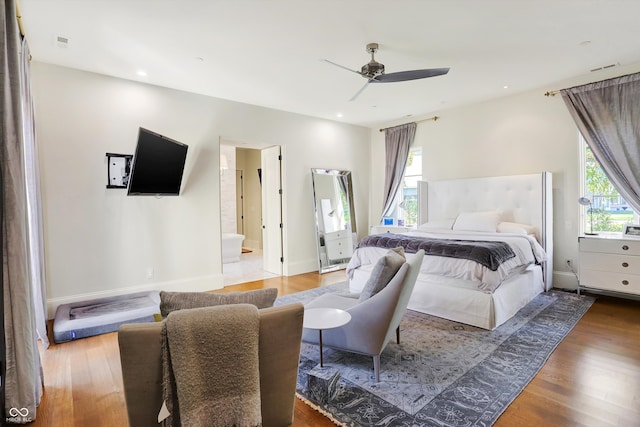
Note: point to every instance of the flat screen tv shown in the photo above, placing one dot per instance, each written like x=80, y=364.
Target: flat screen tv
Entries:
x=158, y=164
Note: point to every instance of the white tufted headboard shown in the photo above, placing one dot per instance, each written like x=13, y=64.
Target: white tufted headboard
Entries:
x=525, y=199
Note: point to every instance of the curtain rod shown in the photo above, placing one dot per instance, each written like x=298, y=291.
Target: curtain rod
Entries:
x=555, y=92
x=434, y=118
x=19, y=18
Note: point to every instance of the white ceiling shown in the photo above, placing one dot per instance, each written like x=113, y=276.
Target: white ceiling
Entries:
x=268, y=52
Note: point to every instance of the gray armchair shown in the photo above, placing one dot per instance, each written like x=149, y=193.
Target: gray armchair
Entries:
x=374, y=321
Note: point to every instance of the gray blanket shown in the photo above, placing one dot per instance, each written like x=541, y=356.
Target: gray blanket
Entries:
x=488, y=254
x=210, y=366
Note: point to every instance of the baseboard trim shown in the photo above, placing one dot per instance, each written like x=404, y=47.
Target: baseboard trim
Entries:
x=565, y=280
x=291, y=269
x=561, y=279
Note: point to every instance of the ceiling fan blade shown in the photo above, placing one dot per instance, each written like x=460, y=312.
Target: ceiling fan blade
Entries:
x=353, y=98
x=342, y=66
x=404, y=76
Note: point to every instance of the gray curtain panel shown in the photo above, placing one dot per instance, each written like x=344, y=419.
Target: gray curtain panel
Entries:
x=34, y=198
x=607, y=114
x=397, y=141
x=23, y=376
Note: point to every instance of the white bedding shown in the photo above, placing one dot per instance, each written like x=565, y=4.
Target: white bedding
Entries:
x=527, y=250
x=525, y=204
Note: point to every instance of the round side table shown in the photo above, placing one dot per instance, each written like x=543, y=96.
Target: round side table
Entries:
x=324, y=318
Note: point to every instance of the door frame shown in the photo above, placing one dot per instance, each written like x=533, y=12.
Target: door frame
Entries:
x=283, y=232
x=272, y=207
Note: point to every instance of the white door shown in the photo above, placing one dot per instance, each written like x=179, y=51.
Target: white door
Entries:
x=240, y=202
x=272, y=210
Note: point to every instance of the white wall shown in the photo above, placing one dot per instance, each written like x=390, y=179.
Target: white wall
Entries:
x=250, y=161
x=99, y=242
x=228, y=191
x=518, y=134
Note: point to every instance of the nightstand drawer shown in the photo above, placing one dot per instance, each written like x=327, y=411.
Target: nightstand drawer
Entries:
x=613, y=246
x=624, y=264
x=628, y=283
x=339, y=248
x=337, y=235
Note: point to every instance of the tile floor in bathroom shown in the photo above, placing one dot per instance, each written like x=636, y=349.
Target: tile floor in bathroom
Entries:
x=248, y=269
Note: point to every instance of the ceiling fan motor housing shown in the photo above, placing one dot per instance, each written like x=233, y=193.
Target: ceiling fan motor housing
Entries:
x=372, y=69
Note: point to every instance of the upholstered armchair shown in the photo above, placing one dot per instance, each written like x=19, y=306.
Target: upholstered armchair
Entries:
x=280, y=329
x=374, y=320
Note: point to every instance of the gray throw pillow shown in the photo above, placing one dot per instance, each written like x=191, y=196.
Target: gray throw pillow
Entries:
x=382, y=273
x=172, y=301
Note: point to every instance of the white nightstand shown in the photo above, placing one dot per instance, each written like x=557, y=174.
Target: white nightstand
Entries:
x=339, y=244
x=609, y=263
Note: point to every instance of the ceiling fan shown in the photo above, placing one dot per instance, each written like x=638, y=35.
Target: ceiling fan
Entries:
x=373, y=71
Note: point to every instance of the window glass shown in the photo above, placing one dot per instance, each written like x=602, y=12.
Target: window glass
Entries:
x=608, y=211
x=407, y=210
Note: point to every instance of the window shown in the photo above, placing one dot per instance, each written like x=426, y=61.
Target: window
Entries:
x=608, y=211
x=407, y=210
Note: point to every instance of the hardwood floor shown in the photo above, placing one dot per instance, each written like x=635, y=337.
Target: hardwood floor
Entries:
x=591, y=379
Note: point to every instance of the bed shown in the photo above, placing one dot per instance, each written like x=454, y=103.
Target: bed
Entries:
x=509, y=216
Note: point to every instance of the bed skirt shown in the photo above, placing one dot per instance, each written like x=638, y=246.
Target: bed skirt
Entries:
x=462, y=301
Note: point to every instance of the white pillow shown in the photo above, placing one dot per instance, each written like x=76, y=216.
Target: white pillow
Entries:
x=477, y=221
x=440, y=224
x=514, y=227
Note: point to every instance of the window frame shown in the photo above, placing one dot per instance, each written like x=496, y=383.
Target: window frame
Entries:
x=400, y=196
x=584, y=214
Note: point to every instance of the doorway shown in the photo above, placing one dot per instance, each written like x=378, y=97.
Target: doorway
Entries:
x=242, y=184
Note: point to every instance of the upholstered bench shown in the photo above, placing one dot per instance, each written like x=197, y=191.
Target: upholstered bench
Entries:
x=99, y=316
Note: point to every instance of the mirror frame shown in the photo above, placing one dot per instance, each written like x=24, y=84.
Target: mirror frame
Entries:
x=346, y=236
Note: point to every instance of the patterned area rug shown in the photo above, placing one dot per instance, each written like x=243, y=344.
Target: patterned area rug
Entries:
x=443, y=373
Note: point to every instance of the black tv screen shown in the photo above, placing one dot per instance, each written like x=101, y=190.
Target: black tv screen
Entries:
x=158, y=164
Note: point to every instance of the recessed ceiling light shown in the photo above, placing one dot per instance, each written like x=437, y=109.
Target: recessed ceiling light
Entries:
x=505, y=87
x=142, y=73
x=339, y=115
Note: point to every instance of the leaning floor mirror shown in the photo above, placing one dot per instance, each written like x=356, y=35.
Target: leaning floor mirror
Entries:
x=335, y=218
